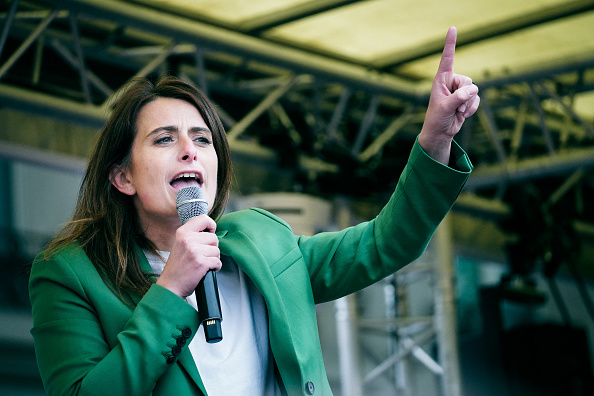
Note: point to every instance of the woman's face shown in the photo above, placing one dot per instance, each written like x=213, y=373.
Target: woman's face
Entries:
x=173, y=148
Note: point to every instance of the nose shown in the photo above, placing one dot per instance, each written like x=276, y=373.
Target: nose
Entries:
x=187, y=149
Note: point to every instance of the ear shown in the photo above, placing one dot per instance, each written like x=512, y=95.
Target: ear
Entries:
x=119, y=179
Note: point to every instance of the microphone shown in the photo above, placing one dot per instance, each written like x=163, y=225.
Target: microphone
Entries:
x=190, y=202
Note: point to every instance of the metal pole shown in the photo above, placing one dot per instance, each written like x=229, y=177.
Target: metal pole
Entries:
x=366, y=125
x=546, y=133
x=445, y=310
x=390, y=298
x=488, y=119
x=338, y=113
x=8, y=23
x=346, y=328
x=348, y=346
x=80, y=64
x=397, y=307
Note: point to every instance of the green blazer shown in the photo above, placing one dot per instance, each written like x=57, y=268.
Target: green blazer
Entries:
x=89, y=342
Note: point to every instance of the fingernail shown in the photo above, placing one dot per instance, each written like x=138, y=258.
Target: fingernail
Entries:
x=472, y=89
x=462, y=108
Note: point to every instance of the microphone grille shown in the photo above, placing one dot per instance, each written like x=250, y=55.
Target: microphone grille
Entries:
x=190, y=202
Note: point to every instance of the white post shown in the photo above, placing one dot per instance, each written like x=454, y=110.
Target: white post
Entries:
x=348, y=346
x=445, y=310
x=347, y=330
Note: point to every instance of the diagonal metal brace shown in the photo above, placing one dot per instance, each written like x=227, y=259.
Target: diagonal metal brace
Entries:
x=27, y=43
x=264, y=105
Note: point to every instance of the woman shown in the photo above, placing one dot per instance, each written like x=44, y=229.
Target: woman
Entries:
x=113, y=303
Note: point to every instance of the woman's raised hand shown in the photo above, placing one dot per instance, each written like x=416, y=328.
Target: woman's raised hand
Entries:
x=453, y=99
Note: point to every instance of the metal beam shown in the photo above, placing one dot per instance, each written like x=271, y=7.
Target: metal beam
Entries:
x=338, y=113
x=365, y=125
x=51, y=106
x=388, y=134
x=264, y=105
x=557, y=164
x=8, y=23
x=81, y=65
x=488, y=119
x=30, y=40
x=567, y=109
x=219, y=39
x=90, y=76
x=426, y=336
x=546, y=133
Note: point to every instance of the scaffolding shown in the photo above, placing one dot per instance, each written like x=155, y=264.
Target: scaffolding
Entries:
x=406, y=334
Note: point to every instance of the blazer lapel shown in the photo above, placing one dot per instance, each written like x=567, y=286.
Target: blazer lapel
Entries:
x=251, y=260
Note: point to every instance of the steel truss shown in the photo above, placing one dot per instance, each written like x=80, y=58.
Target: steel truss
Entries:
x=407, y=334
x=526, y=127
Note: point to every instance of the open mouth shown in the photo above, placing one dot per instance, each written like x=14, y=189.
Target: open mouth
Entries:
x=189, y=179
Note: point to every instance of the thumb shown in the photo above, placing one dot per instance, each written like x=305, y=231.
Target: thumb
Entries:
x=460, y=97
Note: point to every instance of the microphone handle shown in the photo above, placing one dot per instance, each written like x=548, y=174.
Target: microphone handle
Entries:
x=209, y=307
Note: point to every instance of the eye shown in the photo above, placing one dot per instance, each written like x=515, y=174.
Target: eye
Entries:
x=164, y=139
x=202, y=139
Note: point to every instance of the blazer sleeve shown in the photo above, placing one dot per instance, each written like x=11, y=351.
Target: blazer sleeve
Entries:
x=82, y=349
x=343, y=262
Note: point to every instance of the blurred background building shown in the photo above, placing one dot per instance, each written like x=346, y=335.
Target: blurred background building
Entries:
x=322, y=101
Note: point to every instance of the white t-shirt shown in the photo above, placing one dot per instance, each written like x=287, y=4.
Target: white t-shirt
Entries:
x=241, y=363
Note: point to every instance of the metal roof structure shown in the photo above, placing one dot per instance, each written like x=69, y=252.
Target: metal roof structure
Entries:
x=331, y=93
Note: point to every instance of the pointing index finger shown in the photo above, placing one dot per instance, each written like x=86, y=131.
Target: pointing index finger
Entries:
x=446, y=64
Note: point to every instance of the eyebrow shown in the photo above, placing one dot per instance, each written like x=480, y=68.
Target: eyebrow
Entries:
x=173, y=128
x=200, y=129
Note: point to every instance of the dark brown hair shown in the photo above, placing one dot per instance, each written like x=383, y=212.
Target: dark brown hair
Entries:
x=105, y=222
